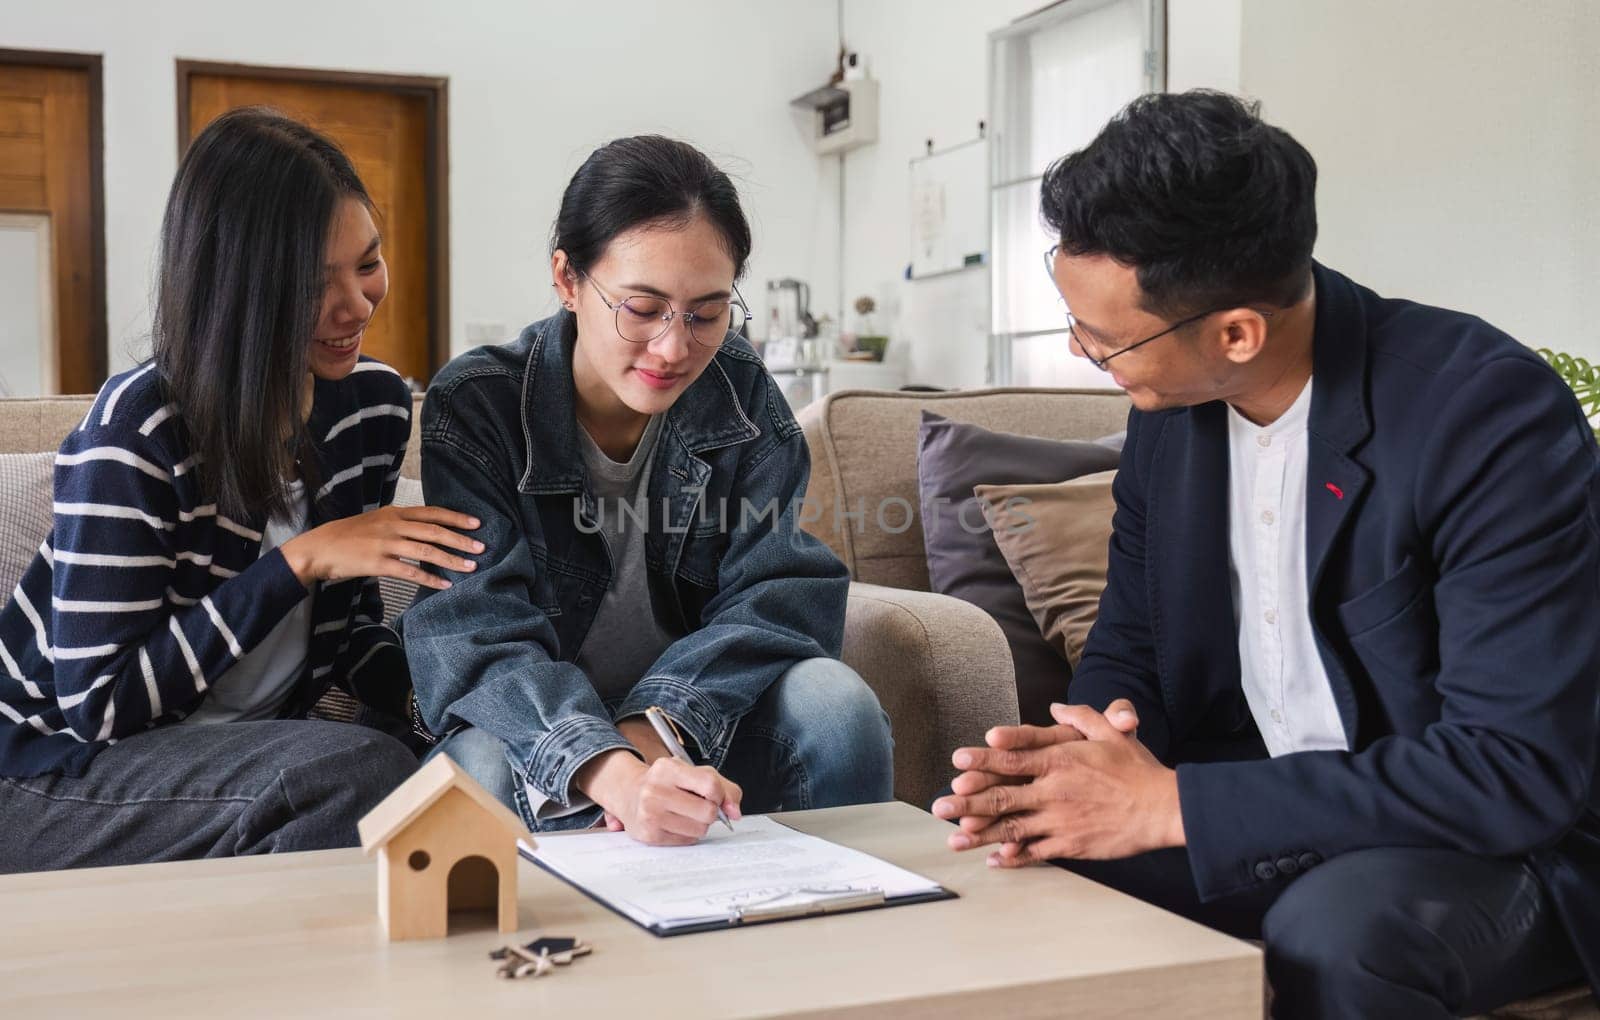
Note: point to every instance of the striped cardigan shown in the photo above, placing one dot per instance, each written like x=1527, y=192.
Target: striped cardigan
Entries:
x=144, y=595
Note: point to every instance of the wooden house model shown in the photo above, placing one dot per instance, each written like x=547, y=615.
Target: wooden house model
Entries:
x=444, y=844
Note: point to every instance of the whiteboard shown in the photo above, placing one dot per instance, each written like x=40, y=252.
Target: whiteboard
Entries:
x=949, y=209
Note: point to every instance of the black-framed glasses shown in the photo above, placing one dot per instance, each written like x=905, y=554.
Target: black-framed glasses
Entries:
x=1100, y=363
x=1077, y=335
x=642, y=318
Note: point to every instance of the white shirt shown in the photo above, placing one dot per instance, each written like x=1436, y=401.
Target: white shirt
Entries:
x=257, y=686
x=1285, y=683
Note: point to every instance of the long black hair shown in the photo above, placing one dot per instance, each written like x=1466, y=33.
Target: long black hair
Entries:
x=1213, y=207
x=238, y=298
x=646, y=179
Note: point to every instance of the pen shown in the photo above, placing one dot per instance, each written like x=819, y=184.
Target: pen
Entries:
x=663, y=727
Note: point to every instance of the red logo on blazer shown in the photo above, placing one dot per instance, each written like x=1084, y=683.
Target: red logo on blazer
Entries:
x=1336, y=490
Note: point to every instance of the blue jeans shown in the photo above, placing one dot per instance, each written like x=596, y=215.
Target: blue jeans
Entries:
x=816, y=738
x=179, y=792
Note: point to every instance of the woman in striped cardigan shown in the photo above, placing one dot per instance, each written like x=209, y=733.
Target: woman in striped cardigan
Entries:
x=220, y=518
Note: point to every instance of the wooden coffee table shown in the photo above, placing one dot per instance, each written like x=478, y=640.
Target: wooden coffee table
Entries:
x=297, y=934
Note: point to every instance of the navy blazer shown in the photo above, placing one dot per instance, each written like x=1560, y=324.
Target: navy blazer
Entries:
x=1452, y=495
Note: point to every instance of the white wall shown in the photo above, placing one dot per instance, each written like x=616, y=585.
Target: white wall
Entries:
x=534, y=87
x=1458, y=144
x=1203, y=41
x=1457, y=138
x=931, y=59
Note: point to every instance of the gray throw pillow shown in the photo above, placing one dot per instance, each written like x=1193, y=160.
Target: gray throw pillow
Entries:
x=964, y=560
x=398, y=594
x=27, y=486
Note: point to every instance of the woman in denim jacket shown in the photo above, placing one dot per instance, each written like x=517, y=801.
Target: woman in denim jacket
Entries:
x=638, y=475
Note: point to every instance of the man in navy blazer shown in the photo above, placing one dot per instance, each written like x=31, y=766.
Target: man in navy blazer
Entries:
x=1343, y=692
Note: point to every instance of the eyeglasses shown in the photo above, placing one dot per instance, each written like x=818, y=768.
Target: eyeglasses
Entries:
x=1077, y=336
x=642, y=318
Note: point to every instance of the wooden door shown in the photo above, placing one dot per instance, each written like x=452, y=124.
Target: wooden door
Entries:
x=50, y=146
x=392, y=136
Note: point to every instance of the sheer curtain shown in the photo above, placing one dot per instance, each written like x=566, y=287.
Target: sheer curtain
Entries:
x=1055, y=78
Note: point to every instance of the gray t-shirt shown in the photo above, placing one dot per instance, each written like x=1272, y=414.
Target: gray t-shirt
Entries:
x=628, y=633
x=258, y=685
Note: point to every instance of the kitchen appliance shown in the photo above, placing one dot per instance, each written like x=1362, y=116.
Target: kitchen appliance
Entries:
x=789, y=310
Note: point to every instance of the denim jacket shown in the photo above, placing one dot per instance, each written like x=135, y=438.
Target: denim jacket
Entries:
x=754, y=594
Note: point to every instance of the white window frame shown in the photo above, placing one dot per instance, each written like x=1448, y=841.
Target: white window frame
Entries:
x=1008, y=132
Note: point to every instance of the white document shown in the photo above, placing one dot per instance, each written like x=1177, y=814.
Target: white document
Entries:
x=727, y=876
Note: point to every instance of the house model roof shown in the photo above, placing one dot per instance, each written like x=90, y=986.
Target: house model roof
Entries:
x=414, y=796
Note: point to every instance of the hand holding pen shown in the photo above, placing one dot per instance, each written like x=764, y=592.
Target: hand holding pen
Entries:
x=667, y=802
x=669, y=737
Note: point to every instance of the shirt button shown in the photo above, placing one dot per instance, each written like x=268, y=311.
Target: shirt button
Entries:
x=1267, y=517
x=1270, y=616
x=1263, y=441
x=1277, y=716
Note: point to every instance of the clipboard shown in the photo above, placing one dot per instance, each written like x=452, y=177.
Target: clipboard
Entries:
x=790, y=905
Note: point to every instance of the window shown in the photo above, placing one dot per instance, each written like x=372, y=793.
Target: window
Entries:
x=1055, y=78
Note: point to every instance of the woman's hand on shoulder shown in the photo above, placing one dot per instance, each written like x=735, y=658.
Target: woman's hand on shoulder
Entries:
x=388, y=542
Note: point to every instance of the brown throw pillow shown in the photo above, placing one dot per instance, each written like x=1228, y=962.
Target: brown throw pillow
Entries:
x=954, y=457
x=1054, y=538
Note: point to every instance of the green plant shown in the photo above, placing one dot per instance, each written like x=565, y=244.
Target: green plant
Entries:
x=876, y=345
x=1584, y=379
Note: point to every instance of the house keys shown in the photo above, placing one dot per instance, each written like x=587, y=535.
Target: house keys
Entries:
x=538, y=957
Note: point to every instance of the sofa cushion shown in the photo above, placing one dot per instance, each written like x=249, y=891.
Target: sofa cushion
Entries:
x=1055, y=538
x=963, y=558
x=39, y=424
x=864, y=455
x=27, y=483
x=398, y=594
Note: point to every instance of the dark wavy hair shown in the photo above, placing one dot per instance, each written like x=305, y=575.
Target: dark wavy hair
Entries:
x=1213, y=207
x=238, y=297
x=646, y=179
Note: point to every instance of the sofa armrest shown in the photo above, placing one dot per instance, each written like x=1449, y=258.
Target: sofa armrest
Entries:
x=942, y=671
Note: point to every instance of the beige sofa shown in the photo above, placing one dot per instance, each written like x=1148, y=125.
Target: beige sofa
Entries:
x=939, y=665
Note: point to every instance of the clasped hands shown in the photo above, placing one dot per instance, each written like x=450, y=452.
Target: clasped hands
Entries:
x=1085, y=788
